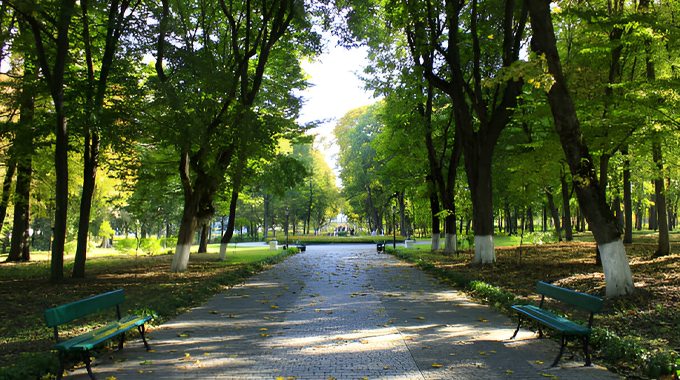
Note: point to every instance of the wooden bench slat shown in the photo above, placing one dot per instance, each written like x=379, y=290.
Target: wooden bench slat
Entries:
x=582, y=300
x=90, y=339
x=66, y=313
x=552, y=320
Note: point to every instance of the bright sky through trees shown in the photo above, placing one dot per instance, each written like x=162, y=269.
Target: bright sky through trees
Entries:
x=335, y=89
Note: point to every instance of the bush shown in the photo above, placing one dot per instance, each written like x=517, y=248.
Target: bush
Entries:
x=31, y=365
x=128, y=245
x=150, y=246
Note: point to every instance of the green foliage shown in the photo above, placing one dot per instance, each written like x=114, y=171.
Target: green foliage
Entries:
x=150, y=246
x=126, y=245
x=31, y=365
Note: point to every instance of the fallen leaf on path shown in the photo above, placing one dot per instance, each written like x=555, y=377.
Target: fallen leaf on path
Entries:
x=418, y=317
x=213, y=312
x=435, y=365
x=233, y=356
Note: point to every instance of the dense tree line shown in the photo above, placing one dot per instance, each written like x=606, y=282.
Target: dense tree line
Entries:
x=159, y=117
x=493, y=113
x=514, y=109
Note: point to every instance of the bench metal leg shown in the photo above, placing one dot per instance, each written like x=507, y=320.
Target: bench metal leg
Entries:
x=86, y=358
x=60, y=374
x=518, y=325
x=559, y=356
x=141, y=332
x=586, y=340
x=121, y=341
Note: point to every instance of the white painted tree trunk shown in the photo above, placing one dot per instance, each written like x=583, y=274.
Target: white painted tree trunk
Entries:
x=450, y=243
x=617, y=275
x=484, y=250
x=436, y=243
x=223, y=251
x=180, y=261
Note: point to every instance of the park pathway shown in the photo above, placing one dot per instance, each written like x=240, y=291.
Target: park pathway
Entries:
x=341, y=312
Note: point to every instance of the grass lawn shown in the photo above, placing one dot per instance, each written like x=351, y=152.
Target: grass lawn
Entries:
x=149, y=287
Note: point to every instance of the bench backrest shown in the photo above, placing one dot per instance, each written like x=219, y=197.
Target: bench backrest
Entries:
x=582, y=300
x=66, y=313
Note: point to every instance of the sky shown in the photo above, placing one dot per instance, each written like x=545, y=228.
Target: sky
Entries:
x=335, y=89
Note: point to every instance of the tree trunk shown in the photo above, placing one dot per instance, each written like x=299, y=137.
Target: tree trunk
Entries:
x=267, y=217
x=567, y=209
x=434, y=213
x=627, y=198
x=91, y=158
x=7, y=186
x=664, y=247
x=198, y=210
x=652, y=222
x=618, y=277
x=19, y=249
x=478, y=160
x=544, y=228
x=553, y=212
x=238, y=176
x=402, y=215
x=203, y=244
x=23, y=146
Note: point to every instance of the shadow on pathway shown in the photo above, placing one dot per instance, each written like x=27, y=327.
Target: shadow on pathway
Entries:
x=341, y=312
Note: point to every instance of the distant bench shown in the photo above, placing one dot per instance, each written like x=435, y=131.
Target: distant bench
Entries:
x=86, y=342
x=380, y=246
x=568, y=328
x=300, y=247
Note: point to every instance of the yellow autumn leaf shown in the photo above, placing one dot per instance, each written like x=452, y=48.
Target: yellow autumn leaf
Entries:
x=140, y=371
x=280, y=378
x=386, y=367
x=509, y=371
x=435, y=365
x=213, y=312
x=152, y=351
x=482, y=352
x=418, y=317
x=539, y=362
x=187, y=355
x=111, y=378
x=206, y=354
x=233, y=356
x=273, y=306
x=263, y=329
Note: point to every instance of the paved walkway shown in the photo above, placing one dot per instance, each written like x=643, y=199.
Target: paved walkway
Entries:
x=341, y=312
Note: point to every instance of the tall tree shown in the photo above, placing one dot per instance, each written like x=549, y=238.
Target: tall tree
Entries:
x=605, y=227
x=99, y=63
x=53, y=63
x=212, y=61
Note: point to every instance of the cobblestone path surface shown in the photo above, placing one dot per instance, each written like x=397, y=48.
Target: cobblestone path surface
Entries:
x=341, y=312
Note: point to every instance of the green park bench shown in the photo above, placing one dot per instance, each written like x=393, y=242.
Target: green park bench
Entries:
x=84, y=343
x=566, y=327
